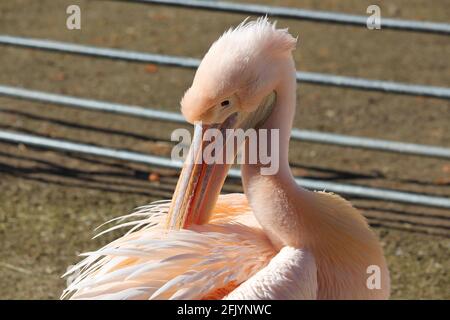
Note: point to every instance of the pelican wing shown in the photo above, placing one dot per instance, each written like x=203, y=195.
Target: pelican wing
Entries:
x=291, y=274
x=150, y=262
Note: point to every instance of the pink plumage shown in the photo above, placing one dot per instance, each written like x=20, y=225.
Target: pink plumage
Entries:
x=275, y=241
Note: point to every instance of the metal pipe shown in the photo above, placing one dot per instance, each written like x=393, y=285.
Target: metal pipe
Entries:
x=303, y=14
x=185, y=62
x=352, y=190
x=302, y=135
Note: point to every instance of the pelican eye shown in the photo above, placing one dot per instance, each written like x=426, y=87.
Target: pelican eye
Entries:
x=225, y=103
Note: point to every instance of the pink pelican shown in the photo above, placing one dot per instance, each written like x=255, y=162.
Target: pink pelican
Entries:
x=275, y=241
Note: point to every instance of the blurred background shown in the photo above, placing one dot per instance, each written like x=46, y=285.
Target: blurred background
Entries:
x=51, y=201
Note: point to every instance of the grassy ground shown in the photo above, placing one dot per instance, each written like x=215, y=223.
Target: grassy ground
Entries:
x=50, y=202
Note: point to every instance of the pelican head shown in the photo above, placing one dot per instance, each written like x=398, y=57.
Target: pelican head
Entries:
x=233, y=88
x=238, y=72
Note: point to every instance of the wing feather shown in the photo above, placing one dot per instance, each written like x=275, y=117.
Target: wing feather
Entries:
x=153, y=263
x=290, y=275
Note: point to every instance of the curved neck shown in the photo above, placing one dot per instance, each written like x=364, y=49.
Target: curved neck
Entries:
x=329, y=227
x=272, y=196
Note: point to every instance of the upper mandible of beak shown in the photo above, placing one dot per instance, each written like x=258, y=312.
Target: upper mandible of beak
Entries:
x=201, y=179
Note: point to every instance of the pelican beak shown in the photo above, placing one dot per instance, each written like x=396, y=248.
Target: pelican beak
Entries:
x=200, y=183
x=202, y=177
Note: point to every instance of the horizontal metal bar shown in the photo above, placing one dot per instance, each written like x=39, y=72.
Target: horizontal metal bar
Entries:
x=63, y=145
x=371, y=144
x=305, y=77
x=302, y=135
x=374, y=85
x=90, y=104
x=303, y=14
x=67, y=47
x=353, y=190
